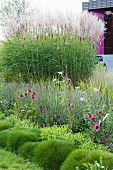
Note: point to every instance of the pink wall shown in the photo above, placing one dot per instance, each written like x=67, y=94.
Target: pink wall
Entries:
x=100, y=14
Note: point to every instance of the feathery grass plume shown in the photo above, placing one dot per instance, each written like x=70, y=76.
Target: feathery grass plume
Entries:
x=85, y=25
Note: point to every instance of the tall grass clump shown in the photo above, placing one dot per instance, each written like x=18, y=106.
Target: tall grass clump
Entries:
x=50, y=44
x=101, y=78
x=25, y=58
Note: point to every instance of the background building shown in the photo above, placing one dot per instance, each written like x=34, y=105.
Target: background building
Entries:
x=104, y=10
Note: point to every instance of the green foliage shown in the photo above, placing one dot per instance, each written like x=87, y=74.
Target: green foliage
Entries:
x=95, y=166
x=16, y=138
x=7, y=97
x=3, y=138
x=90, y=145
x=4, y=124
x=27, y=57
x=18, y=123
x=57, y=132
x=27, y=150
x=52, y=107
x=2, y=117
x=10, y=161
x=64, y=133
x=51, y=154
x=78, y=157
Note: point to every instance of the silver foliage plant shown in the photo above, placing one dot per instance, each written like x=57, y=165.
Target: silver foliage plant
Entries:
x=84, y=25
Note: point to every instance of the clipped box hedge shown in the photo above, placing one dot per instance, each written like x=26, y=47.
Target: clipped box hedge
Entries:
x=78, y=157
x=51, y=154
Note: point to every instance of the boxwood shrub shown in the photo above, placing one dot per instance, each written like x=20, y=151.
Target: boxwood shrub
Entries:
x=4, y=124
x=51, y=154
x=10, y=161
x=18, y=137
x=27, y=150
x=3, y=138
x=78, y=157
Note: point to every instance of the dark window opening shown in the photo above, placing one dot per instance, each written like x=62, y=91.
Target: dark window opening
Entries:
x=108, y=46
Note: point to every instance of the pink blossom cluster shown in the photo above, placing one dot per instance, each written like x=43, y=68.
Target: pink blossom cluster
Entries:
x=94, y=118
x=32, y=94
x=70, y=107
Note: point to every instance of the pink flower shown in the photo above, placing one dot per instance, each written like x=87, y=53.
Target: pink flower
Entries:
x=96, y=127
x=29, y=90
x=99, y=112
x=34, y=96
x=92, y=117
x=21, y=96
x=95, y=119
x=70, y=106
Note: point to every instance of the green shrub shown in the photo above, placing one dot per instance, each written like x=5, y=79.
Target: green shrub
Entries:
x=2, y=117
x=64, y=133
x=17, y=138
x=95, y=166
x=10, y=161
x=78, y=157
x=51, y=154
x=57, y=132
x=3, y=138
x=27, y=57
x=4, y=124
x=27, y=150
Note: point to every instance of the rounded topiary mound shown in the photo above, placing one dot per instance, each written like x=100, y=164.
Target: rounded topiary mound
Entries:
x=26, y=150
x=9, y=161
x=78, y=157
x=17, y=138
x=51, y=154
x=3, y=137
x=4, y=124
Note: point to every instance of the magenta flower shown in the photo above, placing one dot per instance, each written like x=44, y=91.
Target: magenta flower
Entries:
x=21, y=96
x=70, y=106
x=92, y=117
x=29, y=90
x=95, y=119
x=96, y=127
x=99, y=112
x=34, y=96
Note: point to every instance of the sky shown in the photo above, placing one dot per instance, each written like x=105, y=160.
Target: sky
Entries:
x=54, y=5
x=62, y=5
